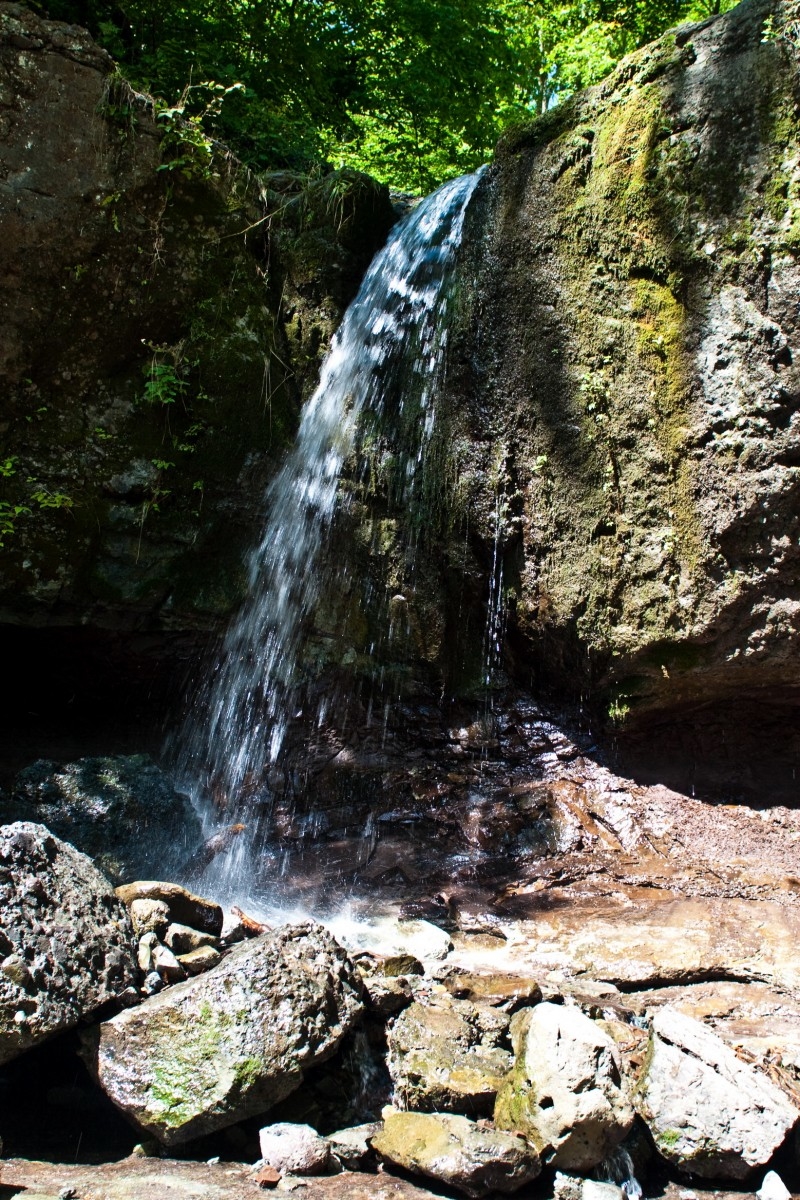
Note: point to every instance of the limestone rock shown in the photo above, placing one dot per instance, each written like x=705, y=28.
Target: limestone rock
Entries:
x=448, y=1055
x=294, y=1149
x=505, y=991
x=149, y=916
x=773, y=1188
x=66, y=941
x=572, y=1187
x=352, y=1147
x=87, y=208
x=565, y=1091
x=708, y=1111
x=167, y=965
x=199, y=960
x=184, y=907
x=387, y=995
x=232, y=1042
x=122, y=811
x=182, y=939
x=458, y=1152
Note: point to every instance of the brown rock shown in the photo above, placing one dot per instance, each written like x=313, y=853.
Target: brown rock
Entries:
x=184, y=907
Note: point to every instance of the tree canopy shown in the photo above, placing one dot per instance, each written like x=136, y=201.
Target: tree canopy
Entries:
x=413, y=91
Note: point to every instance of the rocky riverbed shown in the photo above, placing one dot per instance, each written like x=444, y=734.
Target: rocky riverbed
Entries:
x=608, y=993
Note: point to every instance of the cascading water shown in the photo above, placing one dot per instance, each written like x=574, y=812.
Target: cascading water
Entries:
x=389, y=349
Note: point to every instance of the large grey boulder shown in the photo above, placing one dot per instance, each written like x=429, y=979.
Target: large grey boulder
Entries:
x=708, y=1111
x=120, y=810
x=66, y=942
x=232, y=1042
x=456, y=1151
x=448, y=1055
x=565, y=1092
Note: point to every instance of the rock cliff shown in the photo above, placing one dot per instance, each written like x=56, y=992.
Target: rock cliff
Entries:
x=163, y=315
x=628, y=377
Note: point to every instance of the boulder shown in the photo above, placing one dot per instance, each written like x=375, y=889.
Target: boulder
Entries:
x=149, y=916
x=505, y=991
x=202, y=959
x=66, y=942
x=184, y=907
x=122, y=811
x=181, y=939
x=448, y=1055
x=572, y=1187
x=352, y=1147
x=475, y=1159
x=565, y=1092
x=294, y=1149
x=708, y=1111
x=232, y=1042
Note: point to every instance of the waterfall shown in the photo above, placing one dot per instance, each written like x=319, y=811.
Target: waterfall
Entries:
x=389, y=349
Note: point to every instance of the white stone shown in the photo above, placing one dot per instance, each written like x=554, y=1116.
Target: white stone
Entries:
x=294, y=1149
x=564, y=1093
x=709, y=1112
x=773, y=1188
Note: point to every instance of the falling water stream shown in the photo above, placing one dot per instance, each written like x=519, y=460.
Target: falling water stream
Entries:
x=389, y=349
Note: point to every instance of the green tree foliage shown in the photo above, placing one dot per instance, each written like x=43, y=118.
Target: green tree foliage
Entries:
x=413, y=91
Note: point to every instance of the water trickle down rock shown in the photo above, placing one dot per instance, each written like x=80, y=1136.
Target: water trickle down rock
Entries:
x=391, y=344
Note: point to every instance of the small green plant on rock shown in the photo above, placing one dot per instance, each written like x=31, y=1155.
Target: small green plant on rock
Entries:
x=185, y=144
x=164, y=375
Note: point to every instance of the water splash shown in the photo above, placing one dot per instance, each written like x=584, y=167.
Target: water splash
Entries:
x=389, y=349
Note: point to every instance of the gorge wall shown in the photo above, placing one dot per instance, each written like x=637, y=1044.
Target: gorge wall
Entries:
x=629, y=376
x=163, y=316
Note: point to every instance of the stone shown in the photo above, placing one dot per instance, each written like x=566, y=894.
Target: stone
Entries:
x=475, y=1159
x=402, y=964
x=230, y=1043
x=144, y=954
x=267, y=1177
x=182, y=938
x=508, y=992
x=564, y=1093
x=294, y=1149
x=773, y=1188
x=707, y=1111
x=199, y=960
x=573, y=1187
x=122, y=811
x=152, y=983
x=167, y=965
x=447, y=1055
x=66, y=942
x=149, y=916
x=352, y=1147
x=386, y=995
x=184, y=907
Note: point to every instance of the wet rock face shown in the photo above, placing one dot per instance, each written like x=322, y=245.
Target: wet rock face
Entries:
x=231, y=1043
x=121, y=811
x=66, y=943
x=631, y=362
x=153, y=354
x=565, y=1093
x=707, y=1110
